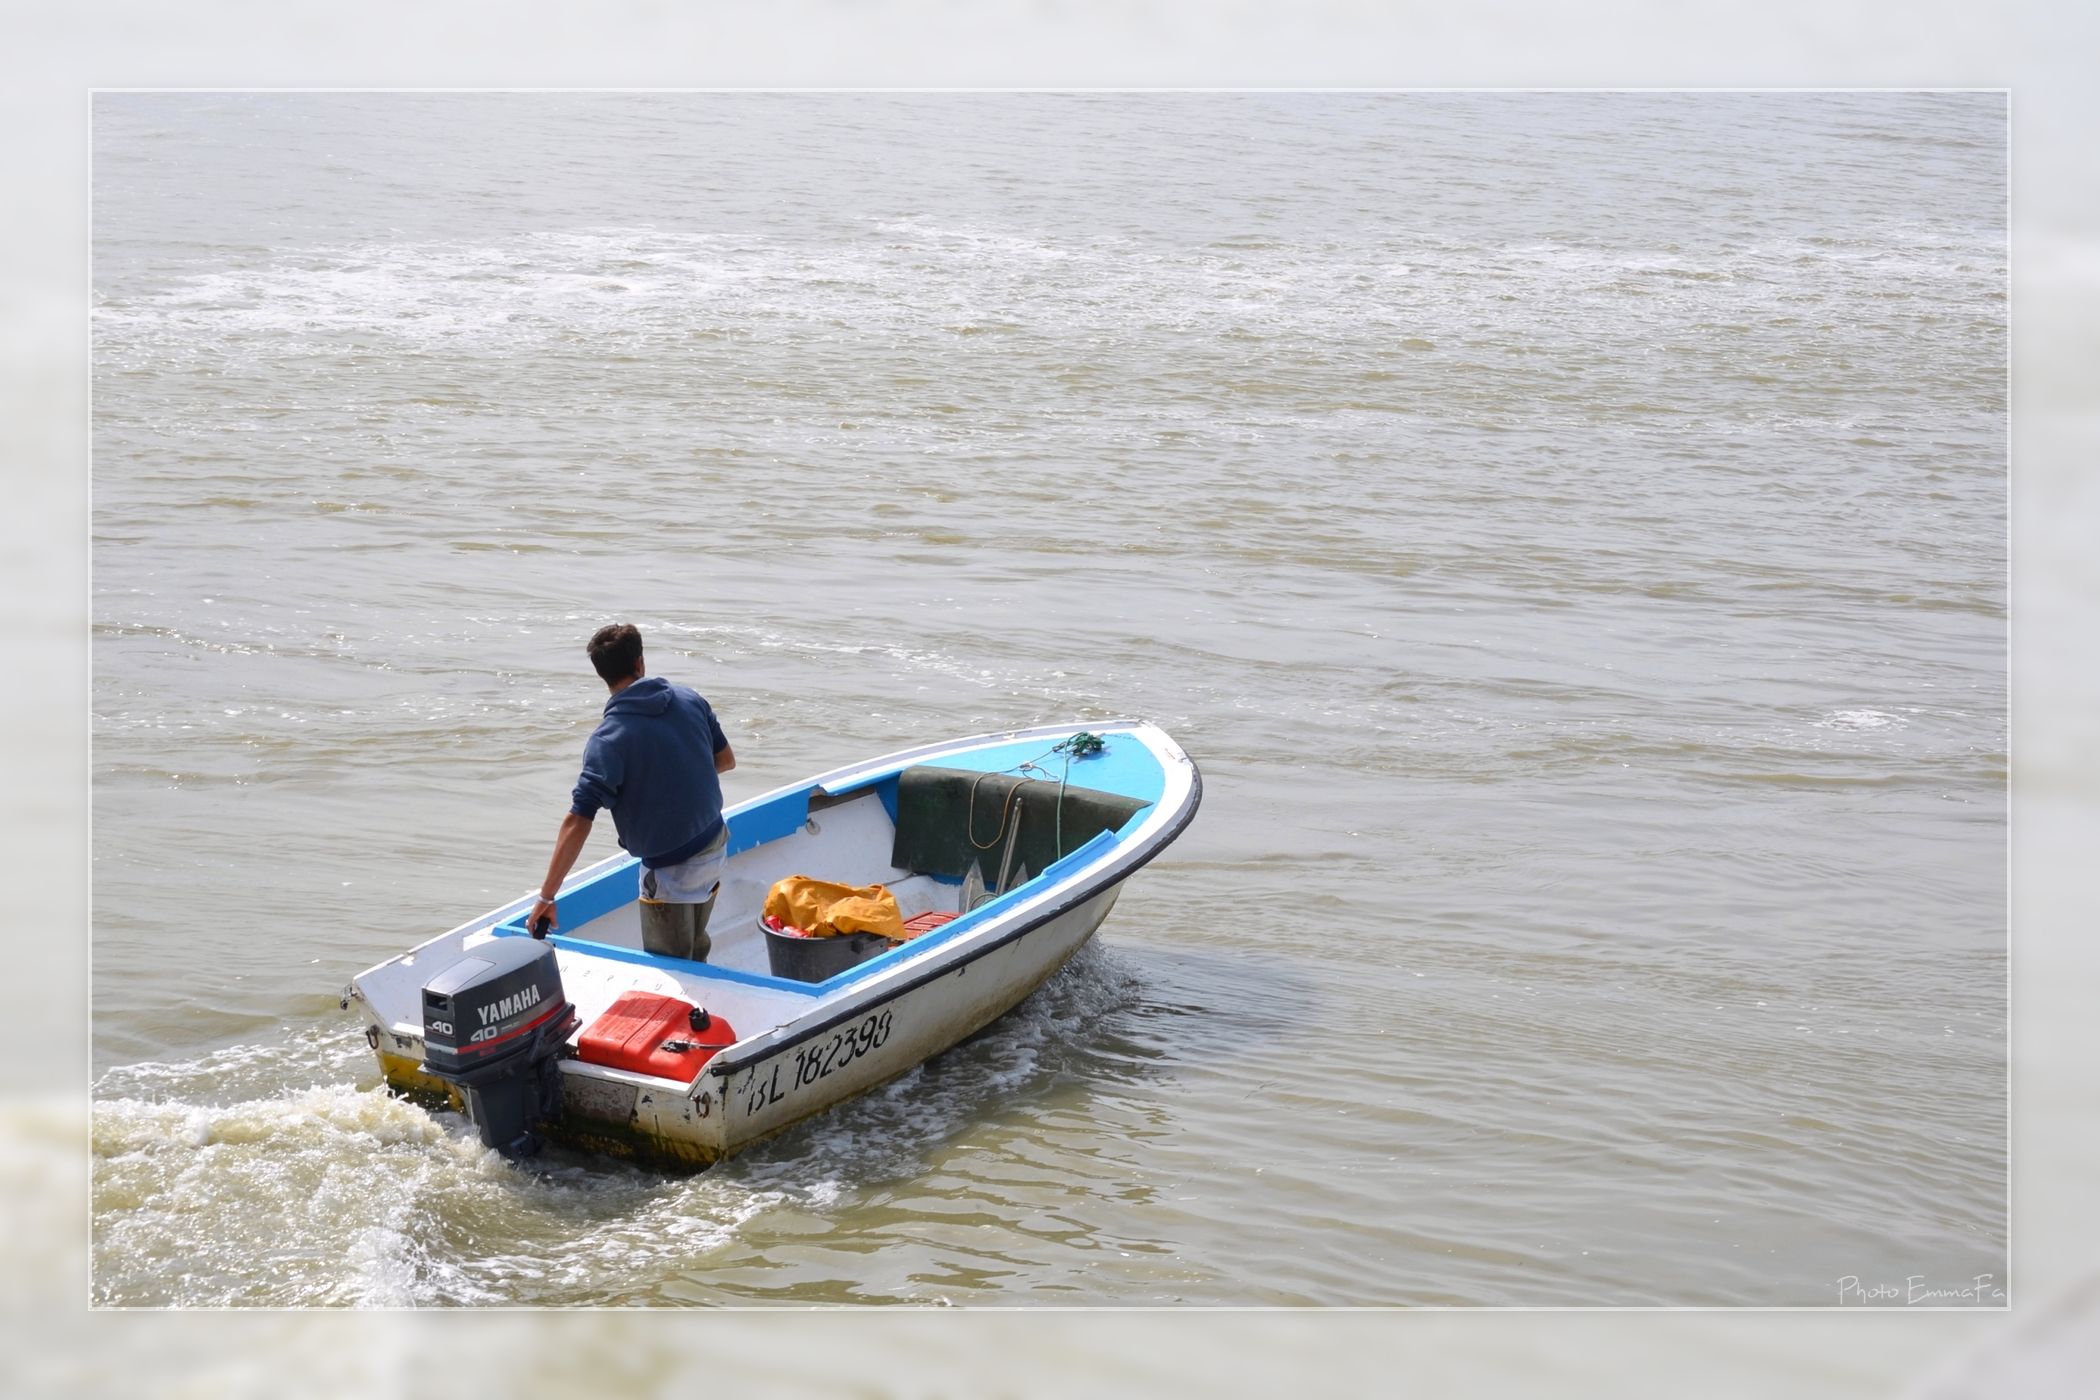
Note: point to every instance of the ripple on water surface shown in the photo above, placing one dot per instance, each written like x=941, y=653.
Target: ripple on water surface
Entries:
x=1568, y=530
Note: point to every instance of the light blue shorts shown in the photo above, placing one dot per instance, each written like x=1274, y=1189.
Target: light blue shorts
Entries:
x=693, y=880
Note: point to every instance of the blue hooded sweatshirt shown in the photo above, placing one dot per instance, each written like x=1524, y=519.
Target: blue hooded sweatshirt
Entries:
x=652, y=761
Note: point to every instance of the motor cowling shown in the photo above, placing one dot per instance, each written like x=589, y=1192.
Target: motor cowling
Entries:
x=495, y=1024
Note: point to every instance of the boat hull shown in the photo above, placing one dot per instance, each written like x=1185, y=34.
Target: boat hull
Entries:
x=872, y=1045
x=805, y=1047
x=873, y=1042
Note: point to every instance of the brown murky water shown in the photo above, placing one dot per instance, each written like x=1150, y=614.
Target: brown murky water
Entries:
x=1568, y=530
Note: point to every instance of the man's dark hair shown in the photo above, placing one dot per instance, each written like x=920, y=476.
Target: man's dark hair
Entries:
x=614, y=651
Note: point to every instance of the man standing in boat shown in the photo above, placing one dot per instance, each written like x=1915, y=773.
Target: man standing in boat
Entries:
x=655, y=761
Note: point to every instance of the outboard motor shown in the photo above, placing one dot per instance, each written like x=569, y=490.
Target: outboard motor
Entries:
x=494, y=1023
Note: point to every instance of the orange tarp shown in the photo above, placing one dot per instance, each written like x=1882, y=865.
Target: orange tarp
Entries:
x=827, y=910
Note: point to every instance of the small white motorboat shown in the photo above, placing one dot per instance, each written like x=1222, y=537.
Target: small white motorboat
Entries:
x=1004, y=853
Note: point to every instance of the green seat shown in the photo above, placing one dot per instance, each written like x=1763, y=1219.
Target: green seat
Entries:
x=949, y=819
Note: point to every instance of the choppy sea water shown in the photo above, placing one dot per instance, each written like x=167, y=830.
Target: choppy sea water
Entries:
x=1568, y=530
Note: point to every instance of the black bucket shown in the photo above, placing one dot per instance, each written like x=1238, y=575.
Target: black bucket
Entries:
x=819, y=959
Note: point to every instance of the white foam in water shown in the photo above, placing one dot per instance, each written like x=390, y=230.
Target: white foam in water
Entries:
x=1508, y=536
x=1858, y=719
x=625, y=281
x=362, y=1198
x=885, y=1132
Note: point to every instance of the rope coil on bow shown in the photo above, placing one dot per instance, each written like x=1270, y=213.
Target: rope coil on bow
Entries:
x=1084, y=744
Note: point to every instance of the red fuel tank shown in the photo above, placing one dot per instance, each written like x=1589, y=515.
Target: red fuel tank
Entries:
x=653, y=1034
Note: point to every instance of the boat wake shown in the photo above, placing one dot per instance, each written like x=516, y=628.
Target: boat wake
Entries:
x=284, y=1175
x=887, y=1133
